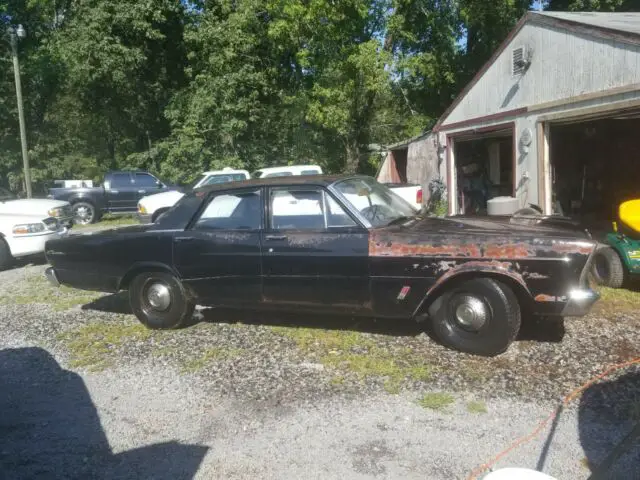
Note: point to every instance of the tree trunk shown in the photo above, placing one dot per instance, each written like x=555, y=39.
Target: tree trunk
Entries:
x=353, y=157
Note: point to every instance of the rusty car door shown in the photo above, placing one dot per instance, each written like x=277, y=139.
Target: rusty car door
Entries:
x=218, y=258
x=314, y=253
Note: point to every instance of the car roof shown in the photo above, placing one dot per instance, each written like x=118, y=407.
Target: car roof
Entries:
x=224, y=171
x=322, y=180
x=285, y=168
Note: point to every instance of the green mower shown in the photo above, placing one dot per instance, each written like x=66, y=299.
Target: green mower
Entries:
x=619, y=258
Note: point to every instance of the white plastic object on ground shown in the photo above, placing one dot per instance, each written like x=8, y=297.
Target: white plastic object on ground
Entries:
x=517, y=474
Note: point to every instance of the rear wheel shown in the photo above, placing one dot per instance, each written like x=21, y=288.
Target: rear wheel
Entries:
x=159, y=300
x=84, y=213
x=607, y=268
x=479, y=316
x=5, y=255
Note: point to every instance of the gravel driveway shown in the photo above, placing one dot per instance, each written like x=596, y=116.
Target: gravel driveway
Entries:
x=86, y=392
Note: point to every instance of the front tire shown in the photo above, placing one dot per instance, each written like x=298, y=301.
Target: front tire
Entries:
x=607, y=268
x=160, y=301
x=479, y=316
x=84, y=213
x=5, y=255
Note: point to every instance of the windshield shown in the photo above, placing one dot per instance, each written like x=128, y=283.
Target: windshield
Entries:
x=256, y=174
x=374, y=201
x=6, y=195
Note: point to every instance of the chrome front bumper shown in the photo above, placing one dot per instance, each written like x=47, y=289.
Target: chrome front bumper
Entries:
x=580, y=302
x=51, y=276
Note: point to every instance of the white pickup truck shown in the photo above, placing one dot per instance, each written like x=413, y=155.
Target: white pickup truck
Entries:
x=152, y=206
x=410, y=192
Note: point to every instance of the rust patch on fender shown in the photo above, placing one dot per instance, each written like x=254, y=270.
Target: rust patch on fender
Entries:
x=543, y=297
x=516, y=250
x=398, y=249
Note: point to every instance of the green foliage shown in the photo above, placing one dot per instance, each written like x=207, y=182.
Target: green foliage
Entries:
x=181, y=87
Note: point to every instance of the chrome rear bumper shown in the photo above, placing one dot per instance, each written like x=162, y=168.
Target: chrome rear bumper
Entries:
x=51, y=276
x=580, y=302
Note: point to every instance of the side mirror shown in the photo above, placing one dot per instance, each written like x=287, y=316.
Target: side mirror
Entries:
x=159, y=184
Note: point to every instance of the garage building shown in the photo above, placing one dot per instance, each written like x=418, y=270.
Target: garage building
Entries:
x=551, y=119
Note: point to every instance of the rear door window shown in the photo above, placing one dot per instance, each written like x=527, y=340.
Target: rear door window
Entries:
x=119, y=180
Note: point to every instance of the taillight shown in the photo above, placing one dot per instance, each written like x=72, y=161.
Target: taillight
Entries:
x=419, y=196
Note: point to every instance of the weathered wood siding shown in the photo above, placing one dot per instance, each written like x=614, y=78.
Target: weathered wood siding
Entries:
x=564, y=64
x=423, y=163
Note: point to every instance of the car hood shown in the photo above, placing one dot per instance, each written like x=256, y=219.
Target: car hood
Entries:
x=493, y=226
x=30, y=206
x=167, y=197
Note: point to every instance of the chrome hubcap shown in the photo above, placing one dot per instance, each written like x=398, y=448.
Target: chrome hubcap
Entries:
x=83, y=214
x=159, y=297
x=470, y=312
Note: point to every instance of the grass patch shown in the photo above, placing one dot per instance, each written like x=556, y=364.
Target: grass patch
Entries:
x=196, y=364
x=353, y=353
x=477, y=406
x=97, y=345
x=36, y=289
x=314, y=339
x=110, y=221
x=436, y=400
x=618, y=300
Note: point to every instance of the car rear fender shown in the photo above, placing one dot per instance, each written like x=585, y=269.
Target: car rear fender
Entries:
x=141, y=267
x=500, y=271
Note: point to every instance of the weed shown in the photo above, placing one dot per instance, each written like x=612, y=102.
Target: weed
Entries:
x=477, y=406
x=436, y=400
x=96, y=346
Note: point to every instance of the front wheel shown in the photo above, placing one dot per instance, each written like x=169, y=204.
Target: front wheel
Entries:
x=479, y=316
x=84, y=213
x=5, y=255
x=160, y=301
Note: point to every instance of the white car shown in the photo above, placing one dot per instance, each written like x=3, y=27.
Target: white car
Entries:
x=287, y=171
x=26, y=235
x=152, y=206
x=60, y=210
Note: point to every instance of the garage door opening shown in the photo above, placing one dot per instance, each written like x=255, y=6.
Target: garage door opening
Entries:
x=484, y=170
x=595, y=165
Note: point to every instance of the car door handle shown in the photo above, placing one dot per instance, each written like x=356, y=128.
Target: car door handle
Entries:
x=275, y=237
x=114, y=191
x=142, y=191
x=184, y=239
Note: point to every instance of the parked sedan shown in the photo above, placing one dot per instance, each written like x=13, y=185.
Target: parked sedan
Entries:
x=26, y=235
x=335, y=244
x=61, y=211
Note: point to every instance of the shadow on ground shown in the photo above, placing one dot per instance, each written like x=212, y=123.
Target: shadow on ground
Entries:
x=49, y=428
x=547, y=330
x=610, y=411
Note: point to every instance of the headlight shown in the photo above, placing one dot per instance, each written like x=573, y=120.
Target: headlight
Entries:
x=141, y=209
x=56, y=212
x=28, y=228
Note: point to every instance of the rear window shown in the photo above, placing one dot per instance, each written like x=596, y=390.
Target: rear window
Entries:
x=309, y=172
x=120, y=180
x=224, y=178
x=256, y=174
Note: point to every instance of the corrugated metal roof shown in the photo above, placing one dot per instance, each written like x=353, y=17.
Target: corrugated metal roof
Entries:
x=620, y=21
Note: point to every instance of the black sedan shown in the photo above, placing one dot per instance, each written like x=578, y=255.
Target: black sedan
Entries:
x=335, y=244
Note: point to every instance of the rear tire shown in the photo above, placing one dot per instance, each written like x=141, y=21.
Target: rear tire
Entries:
x=607, y=268
x=160, y=301
x=6, y=259
x=479, y=316
x=84, y=213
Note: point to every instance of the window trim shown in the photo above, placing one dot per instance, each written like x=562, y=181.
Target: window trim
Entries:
x=156, y=179
x=356, y=228
x=230, y=191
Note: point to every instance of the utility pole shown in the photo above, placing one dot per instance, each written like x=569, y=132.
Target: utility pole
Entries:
x=14, y=34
